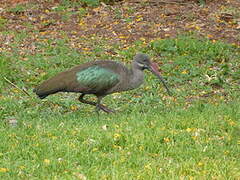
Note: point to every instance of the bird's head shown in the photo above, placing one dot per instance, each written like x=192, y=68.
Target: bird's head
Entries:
x=142, y=62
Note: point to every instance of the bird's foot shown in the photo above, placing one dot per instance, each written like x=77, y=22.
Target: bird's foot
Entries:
x=104, y=108
x=107, y=110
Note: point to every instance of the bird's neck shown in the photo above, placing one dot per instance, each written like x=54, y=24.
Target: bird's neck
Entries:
x=136, y=77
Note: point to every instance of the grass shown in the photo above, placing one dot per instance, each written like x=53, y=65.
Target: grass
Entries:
x=202, y=141
x=192, y=135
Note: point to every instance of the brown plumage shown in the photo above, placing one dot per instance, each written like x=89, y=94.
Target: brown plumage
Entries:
x=99, y=78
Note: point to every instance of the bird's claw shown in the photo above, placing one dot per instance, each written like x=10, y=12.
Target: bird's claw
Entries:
x=105, y=109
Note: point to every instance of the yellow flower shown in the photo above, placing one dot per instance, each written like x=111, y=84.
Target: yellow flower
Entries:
x=3, y=170
x=122, y=37
x=116, y=136
x=139, y=19
x=22, y=167
x=148, y=166
x=184, y=71
x=81, y=23
x=226, y=152
x=231, y=123
x=147, y=88
x=141, y=148
x=197, y=28
x=43, y=32
x=46, y=161
x=95, y=149
x=74, y=107
x=117, y=147
x=210, y=36
x=166, y=140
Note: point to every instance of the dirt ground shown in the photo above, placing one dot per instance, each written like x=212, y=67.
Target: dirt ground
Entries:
x=124, y=21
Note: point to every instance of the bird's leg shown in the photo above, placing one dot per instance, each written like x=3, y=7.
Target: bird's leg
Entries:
x=102, y=107
x=106, y=109
x=99, y=98
x=98, y=105
x=85, y=101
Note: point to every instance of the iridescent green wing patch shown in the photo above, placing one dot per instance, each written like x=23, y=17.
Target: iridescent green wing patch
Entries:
x=97, y=78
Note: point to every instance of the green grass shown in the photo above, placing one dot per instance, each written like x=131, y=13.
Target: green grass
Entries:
x=192, y=135
x=202, y=141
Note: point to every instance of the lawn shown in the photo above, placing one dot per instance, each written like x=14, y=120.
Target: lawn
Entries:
x=193, y=134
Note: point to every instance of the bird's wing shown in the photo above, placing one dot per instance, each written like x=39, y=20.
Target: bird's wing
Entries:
x=97, y=78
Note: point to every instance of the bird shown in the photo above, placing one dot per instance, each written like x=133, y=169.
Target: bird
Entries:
x=100, y=78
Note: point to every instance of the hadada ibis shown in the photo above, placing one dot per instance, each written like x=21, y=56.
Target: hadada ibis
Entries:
x=100, y=78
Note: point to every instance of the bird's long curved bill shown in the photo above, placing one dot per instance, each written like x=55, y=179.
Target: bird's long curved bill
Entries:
x=154, y=70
